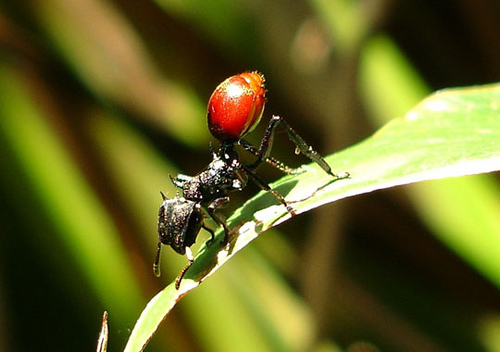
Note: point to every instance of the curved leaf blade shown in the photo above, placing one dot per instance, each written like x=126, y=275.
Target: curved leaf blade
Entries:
x=452, y=133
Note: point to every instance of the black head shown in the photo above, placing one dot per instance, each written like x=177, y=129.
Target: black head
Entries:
x=179, y=222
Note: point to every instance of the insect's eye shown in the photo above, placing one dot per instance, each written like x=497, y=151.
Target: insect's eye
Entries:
x=236, y=106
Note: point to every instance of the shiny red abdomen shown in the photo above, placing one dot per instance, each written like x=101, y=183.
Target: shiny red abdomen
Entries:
x=236, y=106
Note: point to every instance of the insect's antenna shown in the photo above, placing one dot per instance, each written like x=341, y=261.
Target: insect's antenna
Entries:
x=156, y=265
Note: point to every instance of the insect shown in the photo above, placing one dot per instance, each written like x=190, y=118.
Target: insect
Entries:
x=234, y=109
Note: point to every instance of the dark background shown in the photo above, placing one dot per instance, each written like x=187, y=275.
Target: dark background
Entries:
x=103, y=99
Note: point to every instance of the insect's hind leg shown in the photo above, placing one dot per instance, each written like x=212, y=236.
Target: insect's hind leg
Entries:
x=270, y=160
x=267, y=141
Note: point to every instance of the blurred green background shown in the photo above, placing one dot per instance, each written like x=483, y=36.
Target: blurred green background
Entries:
x=101, y=100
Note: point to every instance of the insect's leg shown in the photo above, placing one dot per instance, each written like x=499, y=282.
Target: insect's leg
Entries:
x=212, y=234
x=156, y=265
x=219, y=203
x=266, y=143
x=179, y=278
x=270, y=160
x=221, y=220
x=263, y=185
x=302, y=146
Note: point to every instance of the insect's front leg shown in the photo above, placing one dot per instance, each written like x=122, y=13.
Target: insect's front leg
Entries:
x=220, y=219
x=179, y=278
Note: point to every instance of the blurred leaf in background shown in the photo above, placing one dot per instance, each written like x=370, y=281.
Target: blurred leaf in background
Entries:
x=101, y=100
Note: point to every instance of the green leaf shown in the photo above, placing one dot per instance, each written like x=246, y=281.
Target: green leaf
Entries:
x=454, y=132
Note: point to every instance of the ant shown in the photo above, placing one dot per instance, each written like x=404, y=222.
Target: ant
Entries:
x=234, y=109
